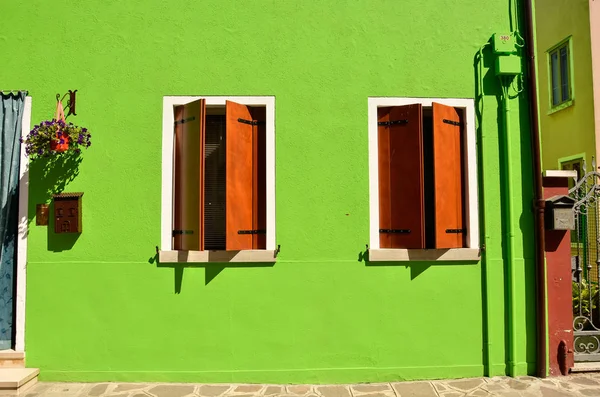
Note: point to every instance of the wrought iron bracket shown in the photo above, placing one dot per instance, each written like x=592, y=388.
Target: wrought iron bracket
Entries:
x=457, y=231
x=70, y=103
x=251, y=231
x=452, y=122
x=251, y=122
x=183, y=121
x=402, y=231
x=180, y=232
x=394, y=122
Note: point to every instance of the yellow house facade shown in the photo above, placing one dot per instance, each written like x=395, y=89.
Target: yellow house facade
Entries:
x=568, y=61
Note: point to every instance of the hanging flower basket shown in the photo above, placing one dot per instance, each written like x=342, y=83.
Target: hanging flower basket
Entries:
x=54, y=137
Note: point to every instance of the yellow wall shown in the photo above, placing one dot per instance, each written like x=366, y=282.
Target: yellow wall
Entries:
x=595, y=36
x=570, y=131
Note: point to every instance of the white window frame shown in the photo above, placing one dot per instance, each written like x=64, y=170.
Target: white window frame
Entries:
x=167, y=254
x=21, y=268
x=567, y=43
x=472, y=251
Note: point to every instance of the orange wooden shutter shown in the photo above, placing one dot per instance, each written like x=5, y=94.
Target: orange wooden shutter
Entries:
x=450, y=231
x=400, y=152
x=189, y=176
x=245, y=180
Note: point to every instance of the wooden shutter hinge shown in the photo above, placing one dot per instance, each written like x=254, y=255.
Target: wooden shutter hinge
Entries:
x=251, y=122
x=452, y=122
x=252, y=231
x=395, y=122
x=178, y=232
x=457, y=231
x=403, y=231
x=183, y=121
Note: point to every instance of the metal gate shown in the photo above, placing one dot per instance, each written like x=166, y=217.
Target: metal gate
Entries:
x=585, y=264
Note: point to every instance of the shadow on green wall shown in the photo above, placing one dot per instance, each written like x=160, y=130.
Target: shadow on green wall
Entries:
x=486, y=84
x=416, y=267
x=48, y=176
x=211, y=270
x=58, y=242
x=527, y=227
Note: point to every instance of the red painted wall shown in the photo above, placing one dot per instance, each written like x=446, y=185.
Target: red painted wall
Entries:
x=558, y=268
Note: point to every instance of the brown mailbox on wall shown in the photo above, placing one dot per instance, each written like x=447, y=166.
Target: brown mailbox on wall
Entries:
x=67, y=212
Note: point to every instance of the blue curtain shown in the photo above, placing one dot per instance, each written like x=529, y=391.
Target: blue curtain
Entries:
x=11, y=117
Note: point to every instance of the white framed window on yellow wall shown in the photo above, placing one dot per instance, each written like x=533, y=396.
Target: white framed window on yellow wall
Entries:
x=560, y=75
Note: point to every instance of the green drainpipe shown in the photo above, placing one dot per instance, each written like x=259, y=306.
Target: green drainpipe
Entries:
x=506, y=165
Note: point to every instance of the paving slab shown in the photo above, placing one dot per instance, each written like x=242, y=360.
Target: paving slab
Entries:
x=334, y=391
x=247, y=388
x=371, y=388
x=415, y=389
x=271, y=390
x=299, y=389
x=213, y=390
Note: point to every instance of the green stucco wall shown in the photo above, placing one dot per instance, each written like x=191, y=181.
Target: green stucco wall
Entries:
x=99, y=308
x=569, y=132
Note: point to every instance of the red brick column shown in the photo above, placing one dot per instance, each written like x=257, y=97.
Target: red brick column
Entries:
x=558, y=268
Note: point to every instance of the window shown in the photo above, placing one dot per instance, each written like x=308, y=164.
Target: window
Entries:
x=423, y=179
x=573, y=165
x=218, y=179
x=560, y=77
x=581, y=219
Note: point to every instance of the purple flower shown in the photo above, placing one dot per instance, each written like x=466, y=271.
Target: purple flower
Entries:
x=78, y=151
x=62, y=141
x=84, y=130
x=40, y=152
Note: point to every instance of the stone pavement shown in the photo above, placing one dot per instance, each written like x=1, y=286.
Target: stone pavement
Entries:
x=573, y=385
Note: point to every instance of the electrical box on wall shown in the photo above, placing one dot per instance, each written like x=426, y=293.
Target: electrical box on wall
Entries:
x=504, y=43
x=67, y=212
x=508, y=62
x=508, y=65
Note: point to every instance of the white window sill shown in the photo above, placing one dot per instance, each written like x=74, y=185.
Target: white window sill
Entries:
x=559, y=107
x=262, y=256
x=440, y=255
